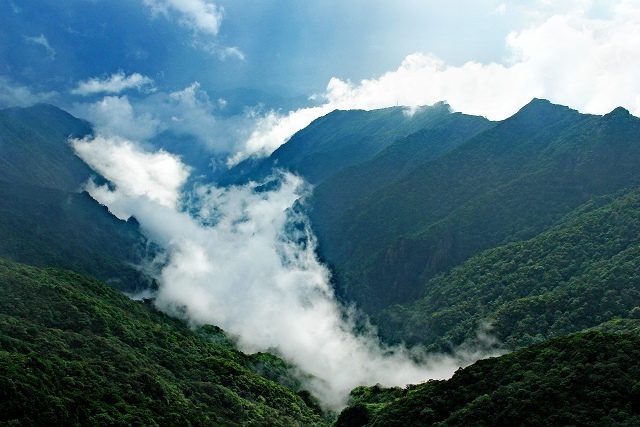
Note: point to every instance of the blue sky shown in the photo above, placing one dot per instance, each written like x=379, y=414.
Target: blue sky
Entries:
x=283, y=46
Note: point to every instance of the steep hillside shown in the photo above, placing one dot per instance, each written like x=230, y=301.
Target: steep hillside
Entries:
x=53, y=228
x=586, y=379
x=34, y=148
x=44, y=219
x=75, y=352
x=573, y=277
x=508, y=183
x=344, y=189
x=338, y=140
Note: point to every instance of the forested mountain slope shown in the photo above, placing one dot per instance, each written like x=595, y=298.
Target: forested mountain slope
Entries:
x=344, y=189
x=338, y=140
x=575, y=276
x=76, y=352
x=44, y=219
x=508, y=183
x=585, y=379
x=45, y=227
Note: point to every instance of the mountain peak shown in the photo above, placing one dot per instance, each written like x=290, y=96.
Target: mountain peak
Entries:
x=618, y=119
x=540, y=113
x=617, y=113
x=539, y=105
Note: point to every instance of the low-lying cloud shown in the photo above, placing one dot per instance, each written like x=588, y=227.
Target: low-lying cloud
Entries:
x=243, y=259
x=134, y=172
x=188, y=111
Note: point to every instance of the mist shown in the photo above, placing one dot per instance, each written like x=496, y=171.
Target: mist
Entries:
x=244, y=259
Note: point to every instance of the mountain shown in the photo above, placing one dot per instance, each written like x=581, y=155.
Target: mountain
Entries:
x=338, y=140
x=44, y=219
x=34, y=147
x=508, y=183
x=74, y=351
x=45, y=227
x=585, y=379
x=438, y=225
x=573, y=277
x=344, y=189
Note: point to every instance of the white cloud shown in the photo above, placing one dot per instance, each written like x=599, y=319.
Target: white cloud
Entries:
x=246, y=262
x=233, y=52
x=588, y=63
x=115, y=116
x=199, y=15
x=13, y=94
x=184, y=112
x=135, y=173
x=15, y=8
x=203, y=18
x=115, y=84
x=272, y=130
x=42, y=41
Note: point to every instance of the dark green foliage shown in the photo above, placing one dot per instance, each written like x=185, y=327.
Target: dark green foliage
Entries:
x=53, y=228
x=346, y=188
x=585, y=379
x=365, y=403
x=336, y=141
x=34, y=147
x=581, y=273
x=76, y=352
x=508, y=183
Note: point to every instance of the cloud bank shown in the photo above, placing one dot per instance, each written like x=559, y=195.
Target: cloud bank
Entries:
x=115, y=84
x=185, y=112
x=570, y=58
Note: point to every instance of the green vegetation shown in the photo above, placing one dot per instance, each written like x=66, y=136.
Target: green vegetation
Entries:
x=74, y=351
x=345, y=188
x=506, y=184
x=438, y=224
x=585, y=379
x=53, y=228
x=579, y=274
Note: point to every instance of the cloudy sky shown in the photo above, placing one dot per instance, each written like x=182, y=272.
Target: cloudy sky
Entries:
x=285, y=46
x=143, y=59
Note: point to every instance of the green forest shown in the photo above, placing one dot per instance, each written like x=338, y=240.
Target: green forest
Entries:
x=76, y=352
